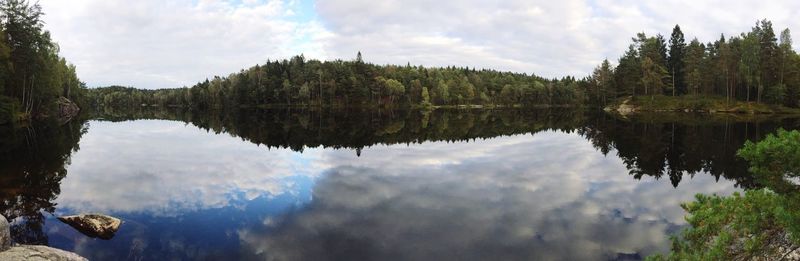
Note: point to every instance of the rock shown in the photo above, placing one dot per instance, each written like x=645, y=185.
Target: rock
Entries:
x=66, y=109
x=626, y=109
x=93, y=225
x=5, y=234
x=36, y=253
x=30, y=252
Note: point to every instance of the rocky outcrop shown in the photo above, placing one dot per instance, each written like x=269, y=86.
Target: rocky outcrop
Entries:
x=29, y=252
x=624, y=108
x=66, y=109
x=94, y=225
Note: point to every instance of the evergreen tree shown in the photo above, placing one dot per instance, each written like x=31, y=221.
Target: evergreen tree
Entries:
x=677, y=49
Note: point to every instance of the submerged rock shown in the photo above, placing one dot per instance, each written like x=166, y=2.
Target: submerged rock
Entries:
x=29, y=252
x=93, y=225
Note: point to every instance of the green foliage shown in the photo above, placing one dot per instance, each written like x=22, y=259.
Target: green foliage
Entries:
x=735, y=228
x=31, y=70
x=8, y=110
x=762, y=224
x=426, y=98
x=653, y=76
x=675, y=62
x=775, y=159
x=301, y=82
x=603, y=83
x=775, y=94
x=693, y=60
x=752, y=66
x=391, y=88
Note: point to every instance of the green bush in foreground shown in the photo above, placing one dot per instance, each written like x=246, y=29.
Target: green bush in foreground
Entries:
x=753, y=226
x=762, y=224
x=774, y=160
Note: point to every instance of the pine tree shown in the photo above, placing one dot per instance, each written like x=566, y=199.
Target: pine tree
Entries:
x=677, y=49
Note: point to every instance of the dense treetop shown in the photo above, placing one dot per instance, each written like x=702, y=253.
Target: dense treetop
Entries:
x=302, y=82
x=32, y=74
x=753, y=66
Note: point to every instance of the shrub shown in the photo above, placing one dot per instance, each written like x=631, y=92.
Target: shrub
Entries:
x=9, y=109
x=763, y=224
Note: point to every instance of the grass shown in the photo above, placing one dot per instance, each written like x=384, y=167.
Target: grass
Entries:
x=700, y=103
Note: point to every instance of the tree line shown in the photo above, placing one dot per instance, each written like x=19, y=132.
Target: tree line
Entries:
x=306, y=82
x=32, y=74
x=755, y=66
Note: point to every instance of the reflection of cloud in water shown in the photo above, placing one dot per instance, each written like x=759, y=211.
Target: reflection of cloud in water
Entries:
x=163, y=168
x=551, y=196
x=547, y=196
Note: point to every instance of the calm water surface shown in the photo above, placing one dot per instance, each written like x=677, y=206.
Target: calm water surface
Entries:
x=447, y=185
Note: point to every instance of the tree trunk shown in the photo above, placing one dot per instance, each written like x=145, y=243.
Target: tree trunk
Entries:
x=760, y=90
x=24, y=90
x=33, y=80
x=673, y=83
x=748, y=93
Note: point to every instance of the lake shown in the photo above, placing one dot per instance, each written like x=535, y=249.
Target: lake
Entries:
x=371, y=185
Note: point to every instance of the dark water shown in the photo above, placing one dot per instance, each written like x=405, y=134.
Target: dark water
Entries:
x=355, y=185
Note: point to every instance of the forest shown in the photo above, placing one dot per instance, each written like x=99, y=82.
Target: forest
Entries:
x=758, y=66
x=301, y=82
x=754, y=67
x=32, y=74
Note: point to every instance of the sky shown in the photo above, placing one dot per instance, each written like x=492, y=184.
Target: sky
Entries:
x=165, y=44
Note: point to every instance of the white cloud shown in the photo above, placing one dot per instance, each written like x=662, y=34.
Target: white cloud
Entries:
x=165, y=44
x=549, y=195
x=153, y=44
x=529, y=205
x=549, y=38
x=172, y=171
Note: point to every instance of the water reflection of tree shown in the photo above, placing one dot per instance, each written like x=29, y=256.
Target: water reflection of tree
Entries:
x=658, y=145
x=33, y=159
x=33, y=162
x=678, y=146
x=302, y=128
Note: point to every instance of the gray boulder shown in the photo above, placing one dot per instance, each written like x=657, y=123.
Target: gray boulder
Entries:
x=5, y=234
x=94, y=225
x=66, y=110
x=37, y=253
x=28, y=252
